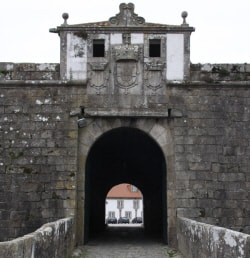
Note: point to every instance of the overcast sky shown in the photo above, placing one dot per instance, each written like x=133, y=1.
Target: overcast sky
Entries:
x=222, y=33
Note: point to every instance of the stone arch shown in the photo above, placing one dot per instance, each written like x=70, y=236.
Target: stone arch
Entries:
x=158, y=134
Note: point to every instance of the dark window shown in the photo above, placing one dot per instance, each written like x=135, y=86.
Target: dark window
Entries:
x=154, y=48
x=98, y=48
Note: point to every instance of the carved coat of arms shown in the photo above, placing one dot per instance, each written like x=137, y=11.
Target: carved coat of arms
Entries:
x=99, y=77
x=154, y=76
x=126, y=66
x=126, y=74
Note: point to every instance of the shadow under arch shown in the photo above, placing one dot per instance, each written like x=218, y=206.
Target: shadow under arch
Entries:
x=122, y=155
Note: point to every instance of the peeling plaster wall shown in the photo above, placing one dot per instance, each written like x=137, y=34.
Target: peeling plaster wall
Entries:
x=76, y=57
x=200, y=240
x=55, y=239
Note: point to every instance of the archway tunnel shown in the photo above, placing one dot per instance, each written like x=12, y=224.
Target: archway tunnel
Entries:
x=126, y=155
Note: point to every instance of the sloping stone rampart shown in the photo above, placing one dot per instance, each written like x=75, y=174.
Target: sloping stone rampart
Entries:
x=200, y=240
x=55, y=239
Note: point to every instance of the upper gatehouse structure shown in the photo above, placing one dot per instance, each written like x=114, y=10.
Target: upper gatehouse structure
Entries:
x=124, y=105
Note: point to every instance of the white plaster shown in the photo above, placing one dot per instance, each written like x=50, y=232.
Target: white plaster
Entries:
x=175, y=57
x=17, y=110
x=1, y=164
x=115, y=38
x=58, y=118
x=11, y=128
x=1, y=95
x=76, y=63
x=5, y=119
x=137, y=38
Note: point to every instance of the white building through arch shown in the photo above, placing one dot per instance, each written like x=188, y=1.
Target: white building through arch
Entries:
x=124, y=201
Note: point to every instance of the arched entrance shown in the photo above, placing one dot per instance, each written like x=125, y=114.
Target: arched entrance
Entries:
x=121, y=155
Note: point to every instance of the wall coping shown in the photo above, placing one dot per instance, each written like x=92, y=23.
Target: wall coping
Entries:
x=54, y=239
x=196, y=240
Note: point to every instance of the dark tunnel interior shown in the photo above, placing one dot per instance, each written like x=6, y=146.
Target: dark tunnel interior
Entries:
x=126, y=155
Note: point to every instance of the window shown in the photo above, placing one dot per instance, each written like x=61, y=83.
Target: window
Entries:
x=133, y=188
x=154, y=48
x=120, y=204
x=98, y=48
x=111, y=214
x=128, y=214
x=136, y=204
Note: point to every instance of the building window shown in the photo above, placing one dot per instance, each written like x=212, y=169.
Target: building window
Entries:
x=128, y=214
x=98, y=48
x=136, y=204
x=120, y=204
x=154, y=48
x=133, y=188
x=111, y=214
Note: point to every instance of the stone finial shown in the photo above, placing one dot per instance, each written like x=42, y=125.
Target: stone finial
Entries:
x=126, y=17
x=184, y=15
x=65, y=17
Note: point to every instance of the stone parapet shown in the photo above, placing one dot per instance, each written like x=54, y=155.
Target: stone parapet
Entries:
x=219, y=72
x=200, y=240
x=29, y=71
x=55, y=239
x=208, y=73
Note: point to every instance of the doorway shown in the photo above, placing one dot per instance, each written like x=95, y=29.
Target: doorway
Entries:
x=122, y=155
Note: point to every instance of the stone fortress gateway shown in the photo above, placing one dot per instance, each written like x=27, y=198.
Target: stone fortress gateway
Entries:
x=125, y=105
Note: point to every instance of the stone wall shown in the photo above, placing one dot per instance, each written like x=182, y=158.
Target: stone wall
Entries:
x=55, y=239
x=210, y=123
x=199, y=240
x=212, y=153
x=29, y=71
x=38, y=154
x=211, y=73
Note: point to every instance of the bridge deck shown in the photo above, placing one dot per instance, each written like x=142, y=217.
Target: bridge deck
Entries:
x=125, y=241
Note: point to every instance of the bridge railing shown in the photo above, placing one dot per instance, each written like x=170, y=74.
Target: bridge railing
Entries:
x=55, y=239
x=200, y=240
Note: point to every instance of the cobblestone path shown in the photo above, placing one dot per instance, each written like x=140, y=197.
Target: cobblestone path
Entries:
x=125, y=243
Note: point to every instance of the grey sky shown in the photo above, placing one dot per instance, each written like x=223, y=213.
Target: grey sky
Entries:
x=222, y=26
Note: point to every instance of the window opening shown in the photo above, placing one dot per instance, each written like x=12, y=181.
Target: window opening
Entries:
x=133, y=188
x=154, y=48
x=128, y=214
x=98, y=48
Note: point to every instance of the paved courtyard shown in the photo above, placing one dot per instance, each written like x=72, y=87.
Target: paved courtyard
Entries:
x=125, y=242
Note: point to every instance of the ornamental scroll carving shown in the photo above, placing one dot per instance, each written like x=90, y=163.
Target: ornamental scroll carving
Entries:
x=153, y=76
x=126, y=17
x=99, y=77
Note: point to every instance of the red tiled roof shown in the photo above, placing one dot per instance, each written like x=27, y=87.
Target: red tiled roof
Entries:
x=123, y=191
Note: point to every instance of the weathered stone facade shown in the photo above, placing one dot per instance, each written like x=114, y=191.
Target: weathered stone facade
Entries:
x=196, y=118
